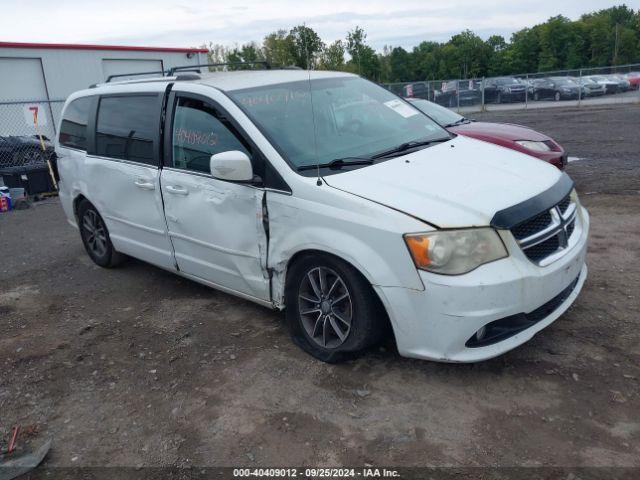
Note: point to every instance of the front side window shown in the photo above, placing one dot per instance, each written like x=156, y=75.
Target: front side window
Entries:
x=320, y=120
x=73, y=128
x=199, y=132
x=128, y=127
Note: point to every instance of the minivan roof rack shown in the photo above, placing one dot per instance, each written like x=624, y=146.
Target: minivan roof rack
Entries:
x=192, y=68
x=183, y=76
x=137, y=74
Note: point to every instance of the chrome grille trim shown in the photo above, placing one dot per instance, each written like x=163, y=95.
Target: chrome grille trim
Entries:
x=561, y=235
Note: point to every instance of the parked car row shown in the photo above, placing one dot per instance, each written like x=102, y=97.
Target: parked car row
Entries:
x=507, y=89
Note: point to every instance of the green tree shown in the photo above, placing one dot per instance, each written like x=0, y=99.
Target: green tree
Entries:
x=247, y=53
x=306, y=46
x=332, y=57
x=471, y=55
x=278, y=49
x=399, y=65
x=425, y=59
x=364, y=60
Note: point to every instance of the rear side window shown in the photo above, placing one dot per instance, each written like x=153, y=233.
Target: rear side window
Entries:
x=73, y=128
x=127, y=128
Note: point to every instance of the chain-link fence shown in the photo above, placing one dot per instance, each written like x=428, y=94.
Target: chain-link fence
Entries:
x=27, y=130
x=27, y=133
x=587, y=86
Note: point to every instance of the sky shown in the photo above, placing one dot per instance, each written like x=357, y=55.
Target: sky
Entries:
x=182, y=23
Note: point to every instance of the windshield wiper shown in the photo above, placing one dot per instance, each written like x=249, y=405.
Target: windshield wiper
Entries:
x=403, y=147
x=338, y=163
x=458, y=122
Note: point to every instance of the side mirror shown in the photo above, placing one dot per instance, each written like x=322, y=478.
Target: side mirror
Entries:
x=233, y=165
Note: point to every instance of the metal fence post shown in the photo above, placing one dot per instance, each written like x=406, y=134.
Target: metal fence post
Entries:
x=482, y=95
x=526, y=92
x=580, y=88
x=458, y=95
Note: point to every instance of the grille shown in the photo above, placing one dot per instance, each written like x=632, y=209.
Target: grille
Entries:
x=543, y=249
x=564, y=204
x=548, y=232
x=532, y=226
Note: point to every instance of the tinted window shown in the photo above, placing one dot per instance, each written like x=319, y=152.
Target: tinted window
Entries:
x=128, y=127
x=198, y=133
x=73, y=128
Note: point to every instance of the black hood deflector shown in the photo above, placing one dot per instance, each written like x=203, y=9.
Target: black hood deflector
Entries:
x=516, y=214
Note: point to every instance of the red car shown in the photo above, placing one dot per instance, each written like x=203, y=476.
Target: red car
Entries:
x=516, y=137
x=634, y=79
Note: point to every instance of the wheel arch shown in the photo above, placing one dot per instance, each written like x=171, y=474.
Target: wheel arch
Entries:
x=78, y=199
x=361, y=271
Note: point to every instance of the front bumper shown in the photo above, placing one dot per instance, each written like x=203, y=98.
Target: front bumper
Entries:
x=437, y=322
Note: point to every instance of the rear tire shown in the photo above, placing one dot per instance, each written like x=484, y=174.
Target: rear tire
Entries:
x=95, y=237
x=332, y=312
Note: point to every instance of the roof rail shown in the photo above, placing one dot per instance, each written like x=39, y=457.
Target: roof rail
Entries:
x=111, y=77
x=228, y=64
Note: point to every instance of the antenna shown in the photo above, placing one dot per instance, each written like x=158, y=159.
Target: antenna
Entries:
x=315, y=132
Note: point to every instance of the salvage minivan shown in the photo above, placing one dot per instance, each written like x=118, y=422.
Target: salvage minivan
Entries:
x=328, y=196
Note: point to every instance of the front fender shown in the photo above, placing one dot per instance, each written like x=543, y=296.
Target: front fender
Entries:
x=366, y=235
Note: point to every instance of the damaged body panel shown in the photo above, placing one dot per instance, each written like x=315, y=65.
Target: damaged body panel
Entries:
x=216, y=231
x=351, y=228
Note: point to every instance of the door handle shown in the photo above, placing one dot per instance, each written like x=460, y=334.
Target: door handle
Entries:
x=141, y=183
x=177, y=190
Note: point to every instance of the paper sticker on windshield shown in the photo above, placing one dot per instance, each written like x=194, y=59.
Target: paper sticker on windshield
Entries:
x=401, y=108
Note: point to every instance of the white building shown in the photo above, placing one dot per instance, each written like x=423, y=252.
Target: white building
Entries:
x=41, y=76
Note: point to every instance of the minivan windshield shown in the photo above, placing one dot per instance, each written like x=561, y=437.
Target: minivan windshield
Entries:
x=321, y=120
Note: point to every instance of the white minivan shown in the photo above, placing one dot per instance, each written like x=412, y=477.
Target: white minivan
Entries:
x=327, y=195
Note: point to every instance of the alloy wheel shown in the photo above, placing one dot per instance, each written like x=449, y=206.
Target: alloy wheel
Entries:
x=325, y=307
x=95, y=233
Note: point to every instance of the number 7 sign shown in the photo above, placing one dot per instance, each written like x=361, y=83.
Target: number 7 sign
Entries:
x=34, y=115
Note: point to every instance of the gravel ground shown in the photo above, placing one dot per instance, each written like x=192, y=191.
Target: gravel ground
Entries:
x=137, y=367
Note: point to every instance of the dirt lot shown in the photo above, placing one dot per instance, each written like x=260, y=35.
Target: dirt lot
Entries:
x=135, y=366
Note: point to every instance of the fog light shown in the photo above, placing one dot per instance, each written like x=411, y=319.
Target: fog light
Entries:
x=480, y=333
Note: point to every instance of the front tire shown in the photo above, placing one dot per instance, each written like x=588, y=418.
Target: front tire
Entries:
x=332, y=312
x=95, y=237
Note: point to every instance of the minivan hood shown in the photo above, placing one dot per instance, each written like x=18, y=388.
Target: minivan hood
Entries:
x=460, y=183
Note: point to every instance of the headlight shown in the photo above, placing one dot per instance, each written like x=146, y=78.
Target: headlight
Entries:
x=573, y=196
x=453, y=252
x=531, y=145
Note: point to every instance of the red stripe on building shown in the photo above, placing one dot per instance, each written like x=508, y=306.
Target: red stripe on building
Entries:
x=74, y=46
